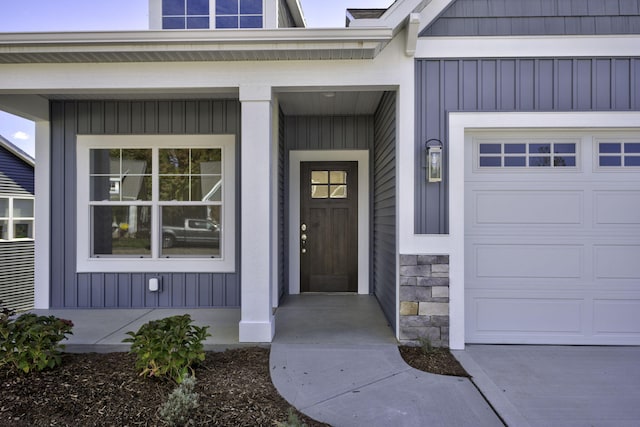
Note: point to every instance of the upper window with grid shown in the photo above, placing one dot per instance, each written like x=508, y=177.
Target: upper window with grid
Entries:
x=538, y=154
x=185, y=14
x=239, y=13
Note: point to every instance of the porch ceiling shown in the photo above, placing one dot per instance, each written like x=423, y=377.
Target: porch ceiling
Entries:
x=329, y=103
x=205, y=45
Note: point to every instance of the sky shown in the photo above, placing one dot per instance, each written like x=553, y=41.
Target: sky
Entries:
x=83, y=15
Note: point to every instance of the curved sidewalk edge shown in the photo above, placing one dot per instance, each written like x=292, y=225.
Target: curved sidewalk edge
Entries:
x=371, y=385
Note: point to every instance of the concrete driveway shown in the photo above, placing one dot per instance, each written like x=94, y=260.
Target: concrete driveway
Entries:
x=558, y=385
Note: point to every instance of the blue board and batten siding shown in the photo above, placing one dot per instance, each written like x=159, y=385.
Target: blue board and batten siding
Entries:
x=129, y=290
x=531, y=84
x=16, y=176
x=384, y=206
x=524, y=84
x=536, y=17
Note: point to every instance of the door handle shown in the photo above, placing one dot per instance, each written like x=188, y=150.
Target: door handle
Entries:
x=303, y=238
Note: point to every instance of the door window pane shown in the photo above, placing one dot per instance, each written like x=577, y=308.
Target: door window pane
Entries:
x=338, y=191
x=319, y=191
x=319, y=177
x=338, y=177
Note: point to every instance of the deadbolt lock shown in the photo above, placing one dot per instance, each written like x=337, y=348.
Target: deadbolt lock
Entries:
x=303, y=227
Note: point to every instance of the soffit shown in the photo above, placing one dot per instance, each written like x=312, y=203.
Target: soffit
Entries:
x=207, y=45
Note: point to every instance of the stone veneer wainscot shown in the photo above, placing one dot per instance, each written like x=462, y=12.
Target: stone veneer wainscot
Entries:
x=424, y=299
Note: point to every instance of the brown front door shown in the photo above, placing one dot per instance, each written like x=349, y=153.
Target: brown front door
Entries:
x=329, y=227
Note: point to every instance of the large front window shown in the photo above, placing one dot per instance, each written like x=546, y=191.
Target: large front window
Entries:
x=158, y=205
x=16, y=218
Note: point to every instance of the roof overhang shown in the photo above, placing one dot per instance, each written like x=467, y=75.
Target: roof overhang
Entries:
x=205, y=45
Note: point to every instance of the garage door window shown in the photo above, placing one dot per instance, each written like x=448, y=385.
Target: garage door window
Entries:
x=527, y=154
x=618, y=154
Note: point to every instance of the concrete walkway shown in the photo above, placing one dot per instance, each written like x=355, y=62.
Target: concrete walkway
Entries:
x=570, y=386
x=336, y=360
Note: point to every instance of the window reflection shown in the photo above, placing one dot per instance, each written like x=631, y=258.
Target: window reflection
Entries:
x=191, y=231
x=121, y=230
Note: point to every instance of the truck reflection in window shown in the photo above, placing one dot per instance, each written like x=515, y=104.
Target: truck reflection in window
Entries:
x=194, y=237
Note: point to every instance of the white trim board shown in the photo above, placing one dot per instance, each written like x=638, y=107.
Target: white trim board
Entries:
x=528, y=46
x=459, y=125
x=295, y=158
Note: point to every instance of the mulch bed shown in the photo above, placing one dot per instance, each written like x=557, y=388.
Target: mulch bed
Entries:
x=437, y=361
x=93, y=389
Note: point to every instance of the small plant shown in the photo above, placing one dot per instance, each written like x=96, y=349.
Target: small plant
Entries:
x=426, y=345
x=168, y=347
x=30, y=342
x=182, y=400
x=292, y=420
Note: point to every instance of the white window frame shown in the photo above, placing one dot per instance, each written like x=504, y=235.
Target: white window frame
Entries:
x=11, y=218
x=87, y=263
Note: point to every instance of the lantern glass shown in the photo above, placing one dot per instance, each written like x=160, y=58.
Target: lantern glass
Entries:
x=434, y=161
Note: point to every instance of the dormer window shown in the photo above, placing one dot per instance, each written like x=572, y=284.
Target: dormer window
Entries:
x=185, y=14
x=197, y=14
x=239, y=14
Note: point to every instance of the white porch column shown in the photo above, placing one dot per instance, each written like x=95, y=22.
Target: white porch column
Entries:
x=257, y=322
x=42, y=271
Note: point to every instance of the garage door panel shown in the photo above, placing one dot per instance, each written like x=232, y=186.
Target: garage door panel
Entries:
x=528, y=261
x=616, y=316
x=617, y=208
x=617, y=262
x=534, y=207
x=552, y=254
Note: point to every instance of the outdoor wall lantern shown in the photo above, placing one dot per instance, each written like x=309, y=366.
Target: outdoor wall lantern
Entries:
x=434, y=160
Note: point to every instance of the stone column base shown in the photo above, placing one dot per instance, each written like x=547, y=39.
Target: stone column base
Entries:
x=424, y=299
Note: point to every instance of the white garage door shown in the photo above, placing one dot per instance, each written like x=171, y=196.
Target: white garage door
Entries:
x=552, y=238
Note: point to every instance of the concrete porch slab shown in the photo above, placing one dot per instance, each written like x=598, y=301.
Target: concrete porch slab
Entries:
x=102, y=330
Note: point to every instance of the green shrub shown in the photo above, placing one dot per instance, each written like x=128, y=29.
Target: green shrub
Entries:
x=425, y=344
x=31, y=342
x=168, y=347
x=292, y=420
x=182, y=400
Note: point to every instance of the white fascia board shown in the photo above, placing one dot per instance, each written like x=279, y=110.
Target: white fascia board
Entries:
x=528, y=46
x=71, y=47
x=180, y=37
